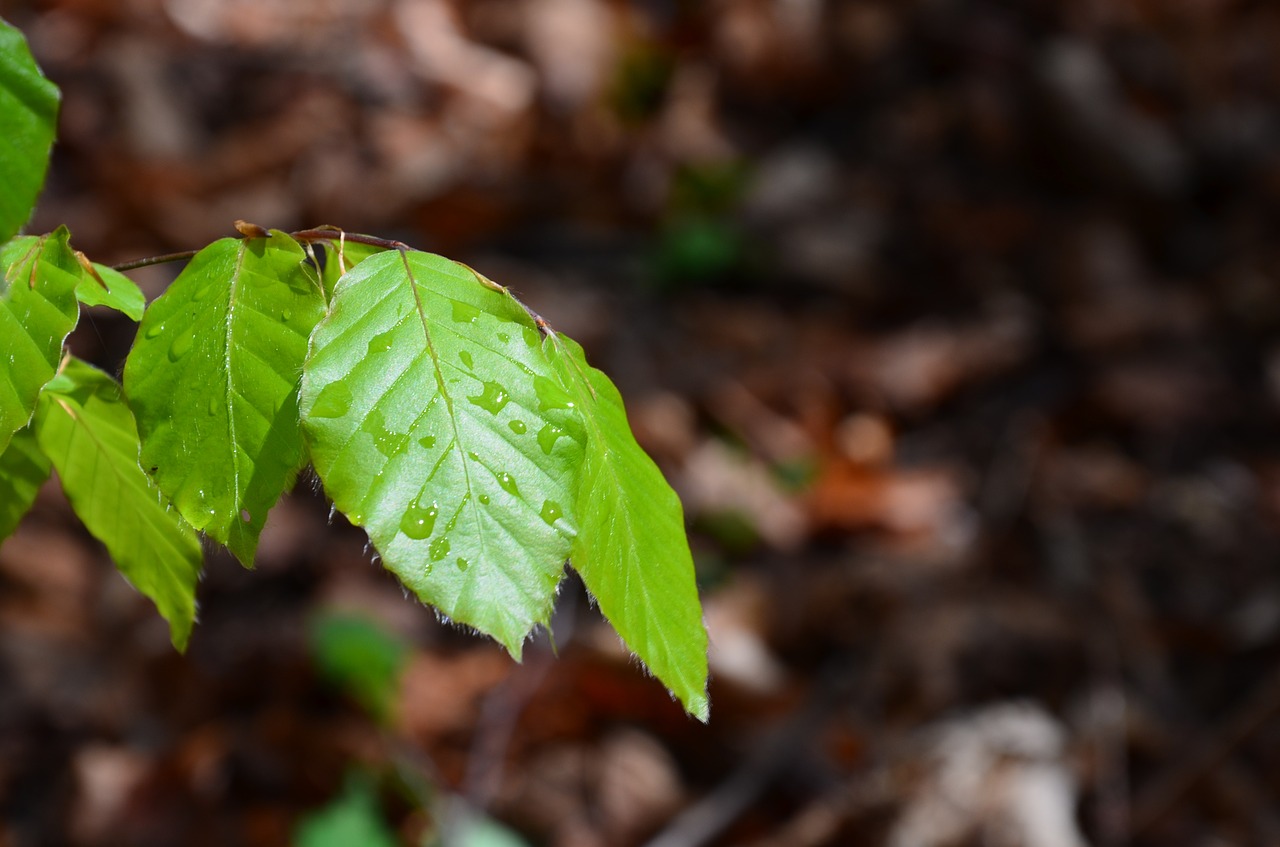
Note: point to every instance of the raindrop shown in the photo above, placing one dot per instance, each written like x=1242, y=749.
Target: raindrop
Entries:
x=202, y=293
x=531, y=336
x=551, y=511
x=548, y=436
x=463, y=564
x=438, y=549
x=466, y=359
x=213, y=405
x=503, y=337
x=286, y=316
x=381, y=342
x=181, y=346
x=387, y=442
x=427, y=441
x=418, y=523
x=493, y=398
x=484, y=499
x=508, y=483
x=465, y=313
x=334, y=401
x=518, y=427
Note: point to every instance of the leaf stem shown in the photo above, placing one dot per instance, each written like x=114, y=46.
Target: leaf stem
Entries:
x=155, y=260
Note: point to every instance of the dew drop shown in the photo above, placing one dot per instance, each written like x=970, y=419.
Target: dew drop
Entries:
x=507, y=482
x=388, y=443
x=202, y=293
x=154, y=330
x=518, y=427
x=286, y=316
x=213, y=405
x=551, y=511
x=181, y=346
x=503, y=337
x=427, y=441
x=334, y=401
x=484, y=499
x=531, y=336
x=548, y=436
x=493, y=398
x=438, y=549
x=418, y=523
x=466, y=359
x=381, y=342
x=463, y=564
x=465, y=313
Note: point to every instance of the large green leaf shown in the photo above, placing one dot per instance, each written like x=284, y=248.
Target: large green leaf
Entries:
x=23, y=469
x=213, y=381
x=28, y=118
x=631, y=548
x=38, y=277
x=85, y=428
x=435, y=422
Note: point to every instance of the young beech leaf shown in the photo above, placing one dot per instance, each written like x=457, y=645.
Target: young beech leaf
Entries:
x=87, y=431
x=108, y=287
x=23, y=469
x=213, y=381
x=341, y=256
x=29, y=103
x=38, y=277
x=435, y=422
x=631, y=548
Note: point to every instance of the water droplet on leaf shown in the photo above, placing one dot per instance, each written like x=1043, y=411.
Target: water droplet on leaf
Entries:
x=550, y=395
x=547, y=437
x=484, y=499
x=334, y=401
x=381, y=342
x=438, y=549
x=551, y=511
x=518, y=427
x=465, y=313
x=181, y=346
x=418, y=523
x=508, y=483
x=466, y=359
x=503, y=337
x=427, y=441
x=463, y=564
x=493, y=398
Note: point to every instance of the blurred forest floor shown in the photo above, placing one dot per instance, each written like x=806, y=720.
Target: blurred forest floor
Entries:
x=953, y=323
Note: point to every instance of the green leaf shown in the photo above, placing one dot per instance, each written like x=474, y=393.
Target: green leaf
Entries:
x=38, y=277
x=340, y=257
x=87, y=431
x=29, y=106
x=361, y=657
x=112, y=289
x=213, y=381
x=435, y=422
x=631, y=548
x=23, y=469
x=353, y=818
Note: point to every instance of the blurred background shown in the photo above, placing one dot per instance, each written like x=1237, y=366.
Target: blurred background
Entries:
x=953, y=323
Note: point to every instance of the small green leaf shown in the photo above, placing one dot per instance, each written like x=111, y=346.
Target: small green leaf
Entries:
x=29, y=104
x=87, y=431
x=38, y=276
x=23, y=469
x=213, y=381
x=361, y=657
x=352, y=819
x=341, y=256
x=112, y=289
x=425, y=403
x=631, y=548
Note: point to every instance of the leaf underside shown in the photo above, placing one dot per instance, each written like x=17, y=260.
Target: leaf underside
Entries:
x=213, y=381
x=29, y=103
x=38, y=277
x=435, y=422
x=87, y=431
x=631, y=548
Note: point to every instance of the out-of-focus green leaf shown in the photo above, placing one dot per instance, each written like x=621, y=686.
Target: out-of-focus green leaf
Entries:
x=38, y=277
x=23, y=469
x=362, y=658
x=435, y=422
x=631, y=548
x=28, y=120
x=351, y=820
x=87, y=431
x=213, y=381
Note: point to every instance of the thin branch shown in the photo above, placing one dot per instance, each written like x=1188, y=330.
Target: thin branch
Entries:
x=155, y=260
